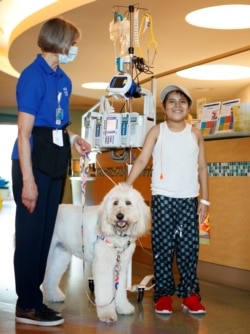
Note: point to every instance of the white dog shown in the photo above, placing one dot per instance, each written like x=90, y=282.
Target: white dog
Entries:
x=108, y=243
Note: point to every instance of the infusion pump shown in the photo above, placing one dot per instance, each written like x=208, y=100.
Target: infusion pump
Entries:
x=115, y=130
x=106, y=129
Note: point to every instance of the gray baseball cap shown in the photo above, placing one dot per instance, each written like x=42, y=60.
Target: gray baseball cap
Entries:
x=172, y=88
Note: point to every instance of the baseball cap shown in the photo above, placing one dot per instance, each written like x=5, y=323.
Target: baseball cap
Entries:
x=172, y=88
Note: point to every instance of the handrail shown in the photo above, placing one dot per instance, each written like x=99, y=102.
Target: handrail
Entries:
x=197, y=63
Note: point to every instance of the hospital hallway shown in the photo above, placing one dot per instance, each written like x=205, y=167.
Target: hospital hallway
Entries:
x=228, y=309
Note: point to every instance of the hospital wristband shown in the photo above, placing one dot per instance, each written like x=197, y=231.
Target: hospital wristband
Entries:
x=203, y=201
x=72, y=139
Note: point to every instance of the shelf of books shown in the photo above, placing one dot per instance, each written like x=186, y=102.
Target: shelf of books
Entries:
x=228, y=119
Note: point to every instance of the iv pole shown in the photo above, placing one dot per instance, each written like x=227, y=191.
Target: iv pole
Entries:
x=142, y=286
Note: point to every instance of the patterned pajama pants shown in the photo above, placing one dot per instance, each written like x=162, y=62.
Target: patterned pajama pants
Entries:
x=175, y=232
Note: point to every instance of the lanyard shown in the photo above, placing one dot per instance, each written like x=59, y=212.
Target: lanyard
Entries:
x=59, y=110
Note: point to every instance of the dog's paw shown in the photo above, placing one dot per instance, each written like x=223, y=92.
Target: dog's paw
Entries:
x=107, y=316
x=56, y=296
x=125, y=308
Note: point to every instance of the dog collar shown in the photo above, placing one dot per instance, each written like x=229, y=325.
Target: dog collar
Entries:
x=121, y=234
x=109, y=243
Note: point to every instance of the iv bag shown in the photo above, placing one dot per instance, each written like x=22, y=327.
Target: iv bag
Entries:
x=120, y=35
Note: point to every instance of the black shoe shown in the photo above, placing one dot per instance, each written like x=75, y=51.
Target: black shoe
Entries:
x=45, y=308
x=41, y=317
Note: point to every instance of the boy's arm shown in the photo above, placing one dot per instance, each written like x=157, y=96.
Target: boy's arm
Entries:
x=203, y=178
x=143, y=158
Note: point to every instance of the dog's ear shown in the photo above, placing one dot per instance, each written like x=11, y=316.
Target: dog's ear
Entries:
x=144, y=218
x=144, y=213
x=103, y=215
x=147, y=216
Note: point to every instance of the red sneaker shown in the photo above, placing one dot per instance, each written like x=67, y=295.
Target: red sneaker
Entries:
x=164, y=305
x=193, y=305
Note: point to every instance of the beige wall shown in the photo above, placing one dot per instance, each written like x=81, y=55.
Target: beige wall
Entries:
x=230, y=209
x=244, y=94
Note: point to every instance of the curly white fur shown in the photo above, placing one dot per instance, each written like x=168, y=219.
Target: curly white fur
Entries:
x=109, y=234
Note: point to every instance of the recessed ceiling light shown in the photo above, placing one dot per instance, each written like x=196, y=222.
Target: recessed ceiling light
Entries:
x=216, y=72
x=221, y=17
x=95, y=85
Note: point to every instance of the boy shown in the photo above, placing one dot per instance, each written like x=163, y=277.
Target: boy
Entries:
x=179, y=173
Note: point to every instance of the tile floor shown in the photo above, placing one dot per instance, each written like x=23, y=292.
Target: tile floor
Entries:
x=228, y=309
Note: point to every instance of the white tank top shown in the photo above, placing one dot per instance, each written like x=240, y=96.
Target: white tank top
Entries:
x=175, y=158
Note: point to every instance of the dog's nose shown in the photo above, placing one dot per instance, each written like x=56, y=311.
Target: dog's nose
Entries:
x=120, y=216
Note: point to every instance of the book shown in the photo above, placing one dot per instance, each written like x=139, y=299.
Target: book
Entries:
x=209, y=118
x=227, y=115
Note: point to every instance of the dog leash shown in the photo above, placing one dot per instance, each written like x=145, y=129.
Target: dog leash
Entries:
x=84, y=166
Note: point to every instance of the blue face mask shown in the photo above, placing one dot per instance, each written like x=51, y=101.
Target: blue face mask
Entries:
x=67, y=58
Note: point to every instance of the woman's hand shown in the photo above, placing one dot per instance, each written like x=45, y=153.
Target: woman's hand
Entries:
x=29, y=195
x=81, y=145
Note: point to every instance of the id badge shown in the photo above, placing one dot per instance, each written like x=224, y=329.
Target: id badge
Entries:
x=59, y=115
x=57, y=137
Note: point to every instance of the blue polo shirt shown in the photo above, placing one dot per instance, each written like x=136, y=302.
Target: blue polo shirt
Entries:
x=39, y=92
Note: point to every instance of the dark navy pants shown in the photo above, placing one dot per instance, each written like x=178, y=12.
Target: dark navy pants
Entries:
x=33, y=236
x=175, y=234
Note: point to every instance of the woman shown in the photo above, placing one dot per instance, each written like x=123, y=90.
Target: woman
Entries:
x=39, y=164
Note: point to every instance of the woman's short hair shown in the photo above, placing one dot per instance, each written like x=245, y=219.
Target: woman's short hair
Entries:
x=57, y=35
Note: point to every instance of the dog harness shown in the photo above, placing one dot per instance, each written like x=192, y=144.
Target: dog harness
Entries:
x=119, y=250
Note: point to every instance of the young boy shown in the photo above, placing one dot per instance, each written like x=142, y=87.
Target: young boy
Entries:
x=179, y=174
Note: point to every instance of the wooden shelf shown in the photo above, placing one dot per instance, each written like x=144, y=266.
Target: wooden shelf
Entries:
x=227, y=135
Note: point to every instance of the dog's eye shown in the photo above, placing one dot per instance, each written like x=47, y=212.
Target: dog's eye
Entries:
x=115, y=202
x=128, y=202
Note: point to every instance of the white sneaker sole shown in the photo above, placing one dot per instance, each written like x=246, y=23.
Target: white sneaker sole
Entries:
x=163, y=312
x=184, y=307
x=39, y=323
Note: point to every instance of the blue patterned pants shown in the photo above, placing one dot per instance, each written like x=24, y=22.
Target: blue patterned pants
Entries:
x=175, y=233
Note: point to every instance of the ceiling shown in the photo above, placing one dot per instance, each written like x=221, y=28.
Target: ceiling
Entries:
x=180, y=45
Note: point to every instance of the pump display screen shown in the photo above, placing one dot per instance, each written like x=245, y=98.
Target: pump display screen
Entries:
x=111, y=124
x=118, y=82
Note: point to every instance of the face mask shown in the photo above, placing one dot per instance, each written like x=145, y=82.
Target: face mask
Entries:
x=67, y=58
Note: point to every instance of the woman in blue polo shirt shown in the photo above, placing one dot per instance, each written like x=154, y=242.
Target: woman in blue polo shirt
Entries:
x=39, y=164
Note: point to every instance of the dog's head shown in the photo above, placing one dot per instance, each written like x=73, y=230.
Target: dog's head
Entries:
x=124, y=212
